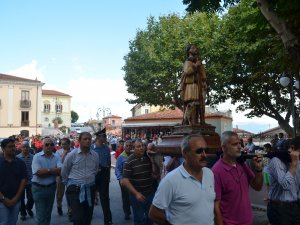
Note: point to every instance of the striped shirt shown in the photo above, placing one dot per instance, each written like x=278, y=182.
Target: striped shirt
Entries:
x=28, y=163
x=283, y=185
x=139, y=172
x=80, y=168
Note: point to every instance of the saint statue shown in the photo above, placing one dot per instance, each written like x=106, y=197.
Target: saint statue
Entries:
x=193, y=88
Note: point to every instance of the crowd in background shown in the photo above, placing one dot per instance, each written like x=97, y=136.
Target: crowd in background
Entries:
x=79, y=168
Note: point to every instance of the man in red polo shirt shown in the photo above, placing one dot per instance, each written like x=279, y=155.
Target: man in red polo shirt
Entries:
x=232, y=180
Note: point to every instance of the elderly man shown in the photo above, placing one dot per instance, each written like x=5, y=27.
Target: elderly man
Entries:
x=186, y=195
x=118, y=172
x=139, y=172
x=27, y=157
x=45, y=167
x=12, y=183
x=232, y=180
x=78, y=172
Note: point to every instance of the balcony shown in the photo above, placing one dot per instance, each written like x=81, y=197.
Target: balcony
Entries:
x=24, y=123
x=25, y=103
x=46, y=110
x=58, y=110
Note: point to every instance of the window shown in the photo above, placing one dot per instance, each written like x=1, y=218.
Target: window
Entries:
x=25, y=102
x=146, y=111
x=58, y=108
x=46, y=107
x=24, y=118
x=113, y=122
x=25, y=95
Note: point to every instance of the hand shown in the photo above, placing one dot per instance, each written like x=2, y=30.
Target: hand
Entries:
x=140, y=197
x=295, y=157
x=42, y=172
x=9, y=202
x=257, y=162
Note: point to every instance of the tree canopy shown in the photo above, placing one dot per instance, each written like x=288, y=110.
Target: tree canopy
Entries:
x=243, y=56
x=74, y=116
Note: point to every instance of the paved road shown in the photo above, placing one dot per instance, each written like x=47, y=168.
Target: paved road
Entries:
x=117, y=213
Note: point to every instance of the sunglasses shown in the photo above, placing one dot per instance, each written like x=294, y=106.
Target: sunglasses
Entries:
x=199, y=151
x=47, y=144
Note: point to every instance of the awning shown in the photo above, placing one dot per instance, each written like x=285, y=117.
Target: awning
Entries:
x=158, y=124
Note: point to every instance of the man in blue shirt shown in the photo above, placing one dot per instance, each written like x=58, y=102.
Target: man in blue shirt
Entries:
x=103, y=176
x=45, y=167
x=118, y=172
x=12, y=183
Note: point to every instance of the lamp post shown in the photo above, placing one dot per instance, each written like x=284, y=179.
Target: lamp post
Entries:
x=103, y=110
x=289, y=81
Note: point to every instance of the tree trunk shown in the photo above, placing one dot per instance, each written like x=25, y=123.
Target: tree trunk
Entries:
x=286, y=127
x=290, y=41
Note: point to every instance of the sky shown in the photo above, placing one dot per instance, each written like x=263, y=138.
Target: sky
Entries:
x=77, y=47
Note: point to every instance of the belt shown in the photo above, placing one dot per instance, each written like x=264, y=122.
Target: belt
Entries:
x=43, y=185
x=285, y=204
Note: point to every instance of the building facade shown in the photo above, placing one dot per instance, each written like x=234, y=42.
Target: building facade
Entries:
x=56, y=105
x=20, y=101
x=140, y=109
x=162, y=123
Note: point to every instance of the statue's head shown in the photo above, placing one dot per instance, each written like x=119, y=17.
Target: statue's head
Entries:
x=191, y=48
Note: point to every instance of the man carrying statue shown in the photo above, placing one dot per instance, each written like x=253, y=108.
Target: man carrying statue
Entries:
x=193, y=88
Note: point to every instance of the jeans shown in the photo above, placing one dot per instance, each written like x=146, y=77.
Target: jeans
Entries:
x=141, y=209
x=82, y=213
x=44, y=199
x=9, y=216
x=30, y=201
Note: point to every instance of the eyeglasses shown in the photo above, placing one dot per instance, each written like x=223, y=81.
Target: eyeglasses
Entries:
x=199, y=151
x=47, y=144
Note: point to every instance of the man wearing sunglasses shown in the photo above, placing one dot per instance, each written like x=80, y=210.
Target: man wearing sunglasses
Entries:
x=232, y=180
x=186, y=195
x=45, y=167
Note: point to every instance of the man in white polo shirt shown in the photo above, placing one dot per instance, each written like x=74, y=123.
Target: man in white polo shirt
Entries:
x=186, y=195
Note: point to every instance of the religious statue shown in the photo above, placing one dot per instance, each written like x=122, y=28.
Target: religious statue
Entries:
x=193, y=88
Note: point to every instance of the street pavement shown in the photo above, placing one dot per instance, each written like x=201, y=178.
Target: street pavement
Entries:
x=118, y=216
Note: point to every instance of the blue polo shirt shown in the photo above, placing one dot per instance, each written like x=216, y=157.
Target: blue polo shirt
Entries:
x=11, y=175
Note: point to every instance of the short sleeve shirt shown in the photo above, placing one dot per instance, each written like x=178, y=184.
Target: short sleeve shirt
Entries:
x=232, y=189
x=139, y=172
x=11, y=175
x=187, y=201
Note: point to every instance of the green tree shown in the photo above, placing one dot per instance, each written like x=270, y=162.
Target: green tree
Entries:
x=284, y=20
x=59, y=120
x=74, y=116
x=282, y=15
x=243, y=58
x=154, y=62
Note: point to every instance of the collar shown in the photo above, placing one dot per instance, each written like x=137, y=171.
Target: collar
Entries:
x=43, y=153
x=227, y=166
x=124, y=153
x=78, y=151
x=183, y=172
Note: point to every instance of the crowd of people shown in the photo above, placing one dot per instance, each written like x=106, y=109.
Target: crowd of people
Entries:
x=154, y=189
